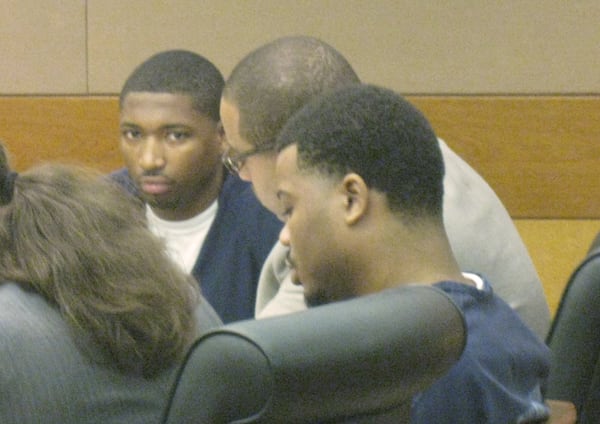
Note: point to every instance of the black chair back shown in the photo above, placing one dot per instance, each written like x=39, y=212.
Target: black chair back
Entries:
x=574, y=339
x=359, y=358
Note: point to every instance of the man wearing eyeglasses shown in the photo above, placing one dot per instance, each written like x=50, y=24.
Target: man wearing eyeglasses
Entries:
x=274, y=81
x=172, y=142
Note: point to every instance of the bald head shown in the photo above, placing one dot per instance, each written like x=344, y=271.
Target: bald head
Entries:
x=277, y=79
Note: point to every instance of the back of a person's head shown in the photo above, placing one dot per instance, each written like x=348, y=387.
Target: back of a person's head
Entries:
x=377, y=134
x=278, y=78
x=83, y=244
x=179, y=72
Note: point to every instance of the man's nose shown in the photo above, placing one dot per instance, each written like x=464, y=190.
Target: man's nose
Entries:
x=152, y=155
x=284, y=235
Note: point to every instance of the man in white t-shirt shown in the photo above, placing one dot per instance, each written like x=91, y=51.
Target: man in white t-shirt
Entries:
x=172, y=141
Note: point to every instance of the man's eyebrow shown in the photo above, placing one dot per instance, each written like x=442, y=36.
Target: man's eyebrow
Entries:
x=175, y=126
x=166, y=127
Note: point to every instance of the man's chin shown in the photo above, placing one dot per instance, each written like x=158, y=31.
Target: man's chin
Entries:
x=315, y=300
x=159, y=204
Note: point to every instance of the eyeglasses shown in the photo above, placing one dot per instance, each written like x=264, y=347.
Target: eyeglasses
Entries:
x=235, y=163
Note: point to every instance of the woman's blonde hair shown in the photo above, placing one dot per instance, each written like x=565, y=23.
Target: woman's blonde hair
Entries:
x=82, y=243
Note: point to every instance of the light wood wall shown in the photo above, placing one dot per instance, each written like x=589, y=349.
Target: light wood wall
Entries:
x=458, y=47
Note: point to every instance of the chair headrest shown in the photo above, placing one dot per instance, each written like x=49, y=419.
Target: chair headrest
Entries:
x=349, y=358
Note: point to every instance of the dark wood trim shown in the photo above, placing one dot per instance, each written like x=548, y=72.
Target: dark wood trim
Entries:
x=540, y=153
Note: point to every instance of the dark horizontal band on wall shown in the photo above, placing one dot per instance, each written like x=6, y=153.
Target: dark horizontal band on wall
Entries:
x=540, y=153
x=84, y=130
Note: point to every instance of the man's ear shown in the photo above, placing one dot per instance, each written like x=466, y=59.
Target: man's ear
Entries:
x=356, y=194
x=221, y=137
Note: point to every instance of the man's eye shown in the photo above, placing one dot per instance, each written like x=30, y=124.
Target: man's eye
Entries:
x=130, y=134
x=177, y=136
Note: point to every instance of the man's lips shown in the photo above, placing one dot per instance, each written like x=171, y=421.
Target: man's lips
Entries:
x=153, y=185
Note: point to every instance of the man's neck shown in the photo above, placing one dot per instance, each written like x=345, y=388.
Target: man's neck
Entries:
x=420, y=258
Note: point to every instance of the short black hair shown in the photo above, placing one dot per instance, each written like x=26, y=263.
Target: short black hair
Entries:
x=275, y=80
x=179, y=72
x=377, y=134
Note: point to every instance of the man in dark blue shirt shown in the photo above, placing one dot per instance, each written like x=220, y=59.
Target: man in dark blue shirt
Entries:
x=360, y=186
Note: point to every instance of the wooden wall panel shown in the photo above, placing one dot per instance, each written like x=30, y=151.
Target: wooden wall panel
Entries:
x=557, y=246
x=541, y=154
x=84, y=130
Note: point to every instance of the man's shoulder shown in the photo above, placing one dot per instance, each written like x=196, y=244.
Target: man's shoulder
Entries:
x=238, y=205
x=121, y=176
x=235, y=188
x=237, y=195
x=26, y=316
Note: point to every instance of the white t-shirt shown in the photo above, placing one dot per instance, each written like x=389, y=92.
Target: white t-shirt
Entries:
x=474, y=278
x=184, y=239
